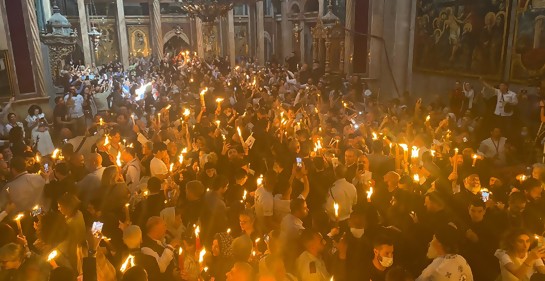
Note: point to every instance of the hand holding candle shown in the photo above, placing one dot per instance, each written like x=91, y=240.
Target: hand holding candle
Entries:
x=17, y=219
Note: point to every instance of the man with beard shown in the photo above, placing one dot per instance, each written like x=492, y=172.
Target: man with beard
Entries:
x=470, y=192
x=446, y=264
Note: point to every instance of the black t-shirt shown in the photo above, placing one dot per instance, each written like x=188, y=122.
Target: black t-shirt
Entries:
x=61, y=111
x=375, y=274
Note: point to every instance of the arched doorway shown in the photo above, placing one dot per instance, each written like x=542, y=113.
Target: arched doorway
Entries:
x=175, y=41
x=175, y=45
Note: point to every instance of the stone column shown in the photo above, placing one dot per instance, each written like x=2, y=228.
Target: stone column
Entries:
x=35, y=48
x=260, y=32
x=302, y=35
x=155, y=29
x=200, y=42
x=252, y=31
x=401, y=46
x=122, y=34
x=287, y=32
x=350, y=21
x=46, y=6
x=231, y=38
x=84, y=33
x=376, y=47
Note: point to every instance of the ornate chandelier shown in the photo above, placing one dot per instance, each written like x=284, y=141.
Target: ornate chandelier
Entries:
x=207, y=10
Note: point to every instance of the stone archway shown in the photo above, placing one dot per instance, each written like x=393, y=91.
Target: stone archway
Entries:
x=176, y=37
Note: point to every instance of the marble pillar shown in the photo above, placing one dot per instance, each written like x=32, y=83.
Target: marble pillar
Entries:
x=376, y=46
x=46, y=6
x=122, y=34
x=252, y=31
x=287, y=32
x=200, y=41
x=84, y=33
x=302, y=35
x=260, y=32
x=5, y=43
x=401, y=46
x=156, y=32
x=35, y=46
x=350, y=22
x=231, y=38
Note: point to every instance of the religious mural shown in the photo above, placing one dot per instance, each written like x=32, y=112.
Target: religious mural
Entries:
x=108, y=46
x=528, y=61
x=241, y=41
x=461, y=37
x=139, y=41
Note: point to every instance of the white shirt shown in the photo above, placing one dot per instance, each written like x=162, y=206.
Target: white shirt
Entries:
x=282, y=207
x=76, y=109
x=158, y=167
x=345, y=195
x=101, y=101
x=132, y=175
x=503, y=99
x=26, y=191
x=311, y=268
x=264, y=203
x=469, y=95
x=447, y=268
x=290, y=227
x=505, y=259
x=493, y=149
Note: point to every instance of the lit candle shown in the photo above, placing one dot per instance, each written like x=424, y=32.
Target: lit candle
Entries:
x=203, y=92
x=219, y=100
x=240, y=135
x=197, y=238
x=38, y=159
x=100, y=122
x=18, y=221
x=159, y=119
x=375, y=137
x=181, y=158
x=244, y=195
x=171, y=167
x=405, y=151
x=336, y=209
x=218, y=124
x=55, y=153
x=52, y=255
x=474, y=156
x=132, y=118
x=118, y=159
x=428, y=118
x=416, y=178
x=106, y=140
x=259, y=181
x=369, y=193
x=187, y=112
x=129, y=262
x=127, y=214
x=202, y=253
x=180, y=259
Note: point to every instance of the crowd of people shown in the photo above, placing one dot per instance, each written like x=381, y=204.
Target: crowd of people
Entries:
x=183, y=169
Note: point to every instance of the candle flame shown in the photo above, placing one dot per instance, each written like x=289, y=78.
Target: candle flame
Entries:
x=197, y=231
x=239, y=132
x=201, y=255
x=416, y=178
x=414, y=152
x=375, y=137
x=171, y=167
x=184, y=150
x=19, y=217
x=180, y=251
x=38, y=158
x=101, y=122
x=187, y=112
x=260, y=180
x=118, y=159
x=369, y=192
x=181, y=158
x=204, y=91
x=244, y=195
x=129, y=262
x=52, y=255
x=168, y=107
x=219, y=100
x=428, y=118
x=404, y=147
x=106, y=140
x=228, y=230
x=474, y=156
x=336, y=208
x=55, y=153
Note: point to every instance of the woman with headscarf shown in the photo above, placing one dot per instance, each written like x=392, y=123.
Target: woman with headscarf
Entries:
x=222, y=258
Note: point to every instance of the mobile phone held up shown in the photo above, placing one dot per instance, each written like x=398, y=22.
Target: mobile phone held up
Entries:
x=96, y=229
x=299, y=162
